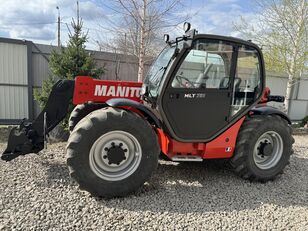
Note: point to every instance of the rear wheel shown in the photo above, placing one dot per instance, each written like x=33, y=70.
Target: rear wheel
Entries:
x=112, y=152
x=263, y=148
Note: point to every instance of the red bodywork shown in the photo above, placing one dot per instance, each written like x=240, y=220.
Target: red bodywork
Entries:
x=93, y=90
x=265, y=95
x=221, y=147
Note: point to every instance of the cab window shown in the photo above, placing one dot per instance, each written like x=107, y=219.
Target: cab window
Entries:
x=206, y=65
x=247, y=85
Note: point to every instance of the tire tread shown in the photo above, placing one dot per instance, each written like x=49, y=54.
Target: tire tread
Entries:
x=239, y=159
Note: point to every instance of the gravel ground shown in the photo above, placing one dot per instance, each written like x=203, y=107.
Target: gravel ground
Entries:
x=36, y=193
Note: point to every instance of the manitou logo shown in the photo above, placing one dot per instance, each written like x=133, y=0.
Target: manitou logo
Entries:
x=117, y=91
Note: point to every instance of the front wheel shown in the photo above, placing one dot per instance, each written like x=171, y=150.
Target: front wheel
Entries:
x=263, y=148
x=81, y=111
x=112, y=152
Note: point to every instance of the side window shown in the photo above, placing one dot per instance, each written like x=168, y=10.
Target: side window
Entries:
x=207, y=65
x=247, y=79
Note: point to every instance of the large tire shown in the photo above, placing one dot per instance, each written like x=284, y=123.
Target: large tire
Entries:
x=81, y=111
x=92, y=133
x=269, y=134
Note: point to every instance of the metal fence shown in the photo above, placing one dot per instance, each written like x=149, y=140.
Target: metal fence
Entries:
x=116, y=66
x=24, y=66
x=16, y=100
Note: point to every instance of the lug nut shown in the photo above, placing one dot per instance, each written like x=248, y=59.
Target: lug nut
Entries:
x=105, y=156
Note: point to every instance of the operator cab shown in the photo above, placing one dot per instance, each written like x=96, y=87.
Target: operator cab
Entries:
x=202, y=84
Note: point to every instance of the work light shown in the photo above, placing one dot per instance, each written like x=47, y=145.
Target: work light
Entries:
x=186, y=26
x=166, y=38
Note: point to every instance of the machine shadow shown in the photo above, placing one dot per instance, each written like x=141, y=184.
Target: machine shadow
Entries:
x=211, y=187
x=57, y=174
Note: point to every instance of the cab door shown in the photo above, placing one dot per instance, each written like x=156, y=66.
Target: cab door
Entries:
x=196, y=101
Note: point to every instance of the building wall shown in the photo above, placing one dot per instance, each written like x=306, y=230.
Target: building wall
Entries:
x=299, y=103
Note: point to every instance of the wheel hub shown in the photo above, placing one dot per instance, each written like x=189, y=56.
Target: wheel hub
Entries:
x=265, y=149
x=268, y=150
x=115, y=154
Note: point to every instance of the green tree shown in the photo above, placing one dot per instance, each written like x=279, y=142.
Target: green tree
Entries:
x=67, y=63
x=281, y=28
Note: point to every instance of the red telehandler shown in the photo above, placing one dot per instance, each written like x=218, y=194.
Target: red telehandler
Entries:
x=204, y=97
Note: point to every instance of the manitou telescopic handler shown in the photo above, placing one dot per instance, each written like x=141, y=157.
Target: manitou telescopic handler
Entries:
x=203, y=98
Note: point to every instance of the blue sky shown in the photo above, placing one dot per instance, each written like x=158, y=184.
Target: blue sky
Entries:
x=36, y=19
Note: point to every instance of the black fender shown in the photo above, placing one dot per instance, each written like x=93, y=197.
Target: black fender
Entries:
x=122, y=102
x=269, y=110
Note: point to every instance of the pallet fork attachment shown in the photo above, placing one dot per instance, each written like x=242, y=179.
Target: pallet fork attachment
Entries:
x=31, y=137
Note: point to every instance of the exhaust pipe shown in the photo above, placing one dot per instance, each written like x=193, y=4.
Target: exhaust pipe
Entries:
x=30, y=137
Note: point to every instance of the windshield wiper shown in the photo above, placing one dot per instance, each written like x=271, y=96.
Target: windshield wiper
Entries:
x=157, y=72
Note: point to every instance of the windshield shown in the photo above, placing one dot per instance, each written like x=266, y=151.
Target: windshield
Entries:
x=157, y=70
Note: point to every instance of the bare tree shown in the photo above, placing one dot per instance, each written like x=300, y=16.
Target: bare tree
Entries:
x=282, y=30
x=141, y=21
